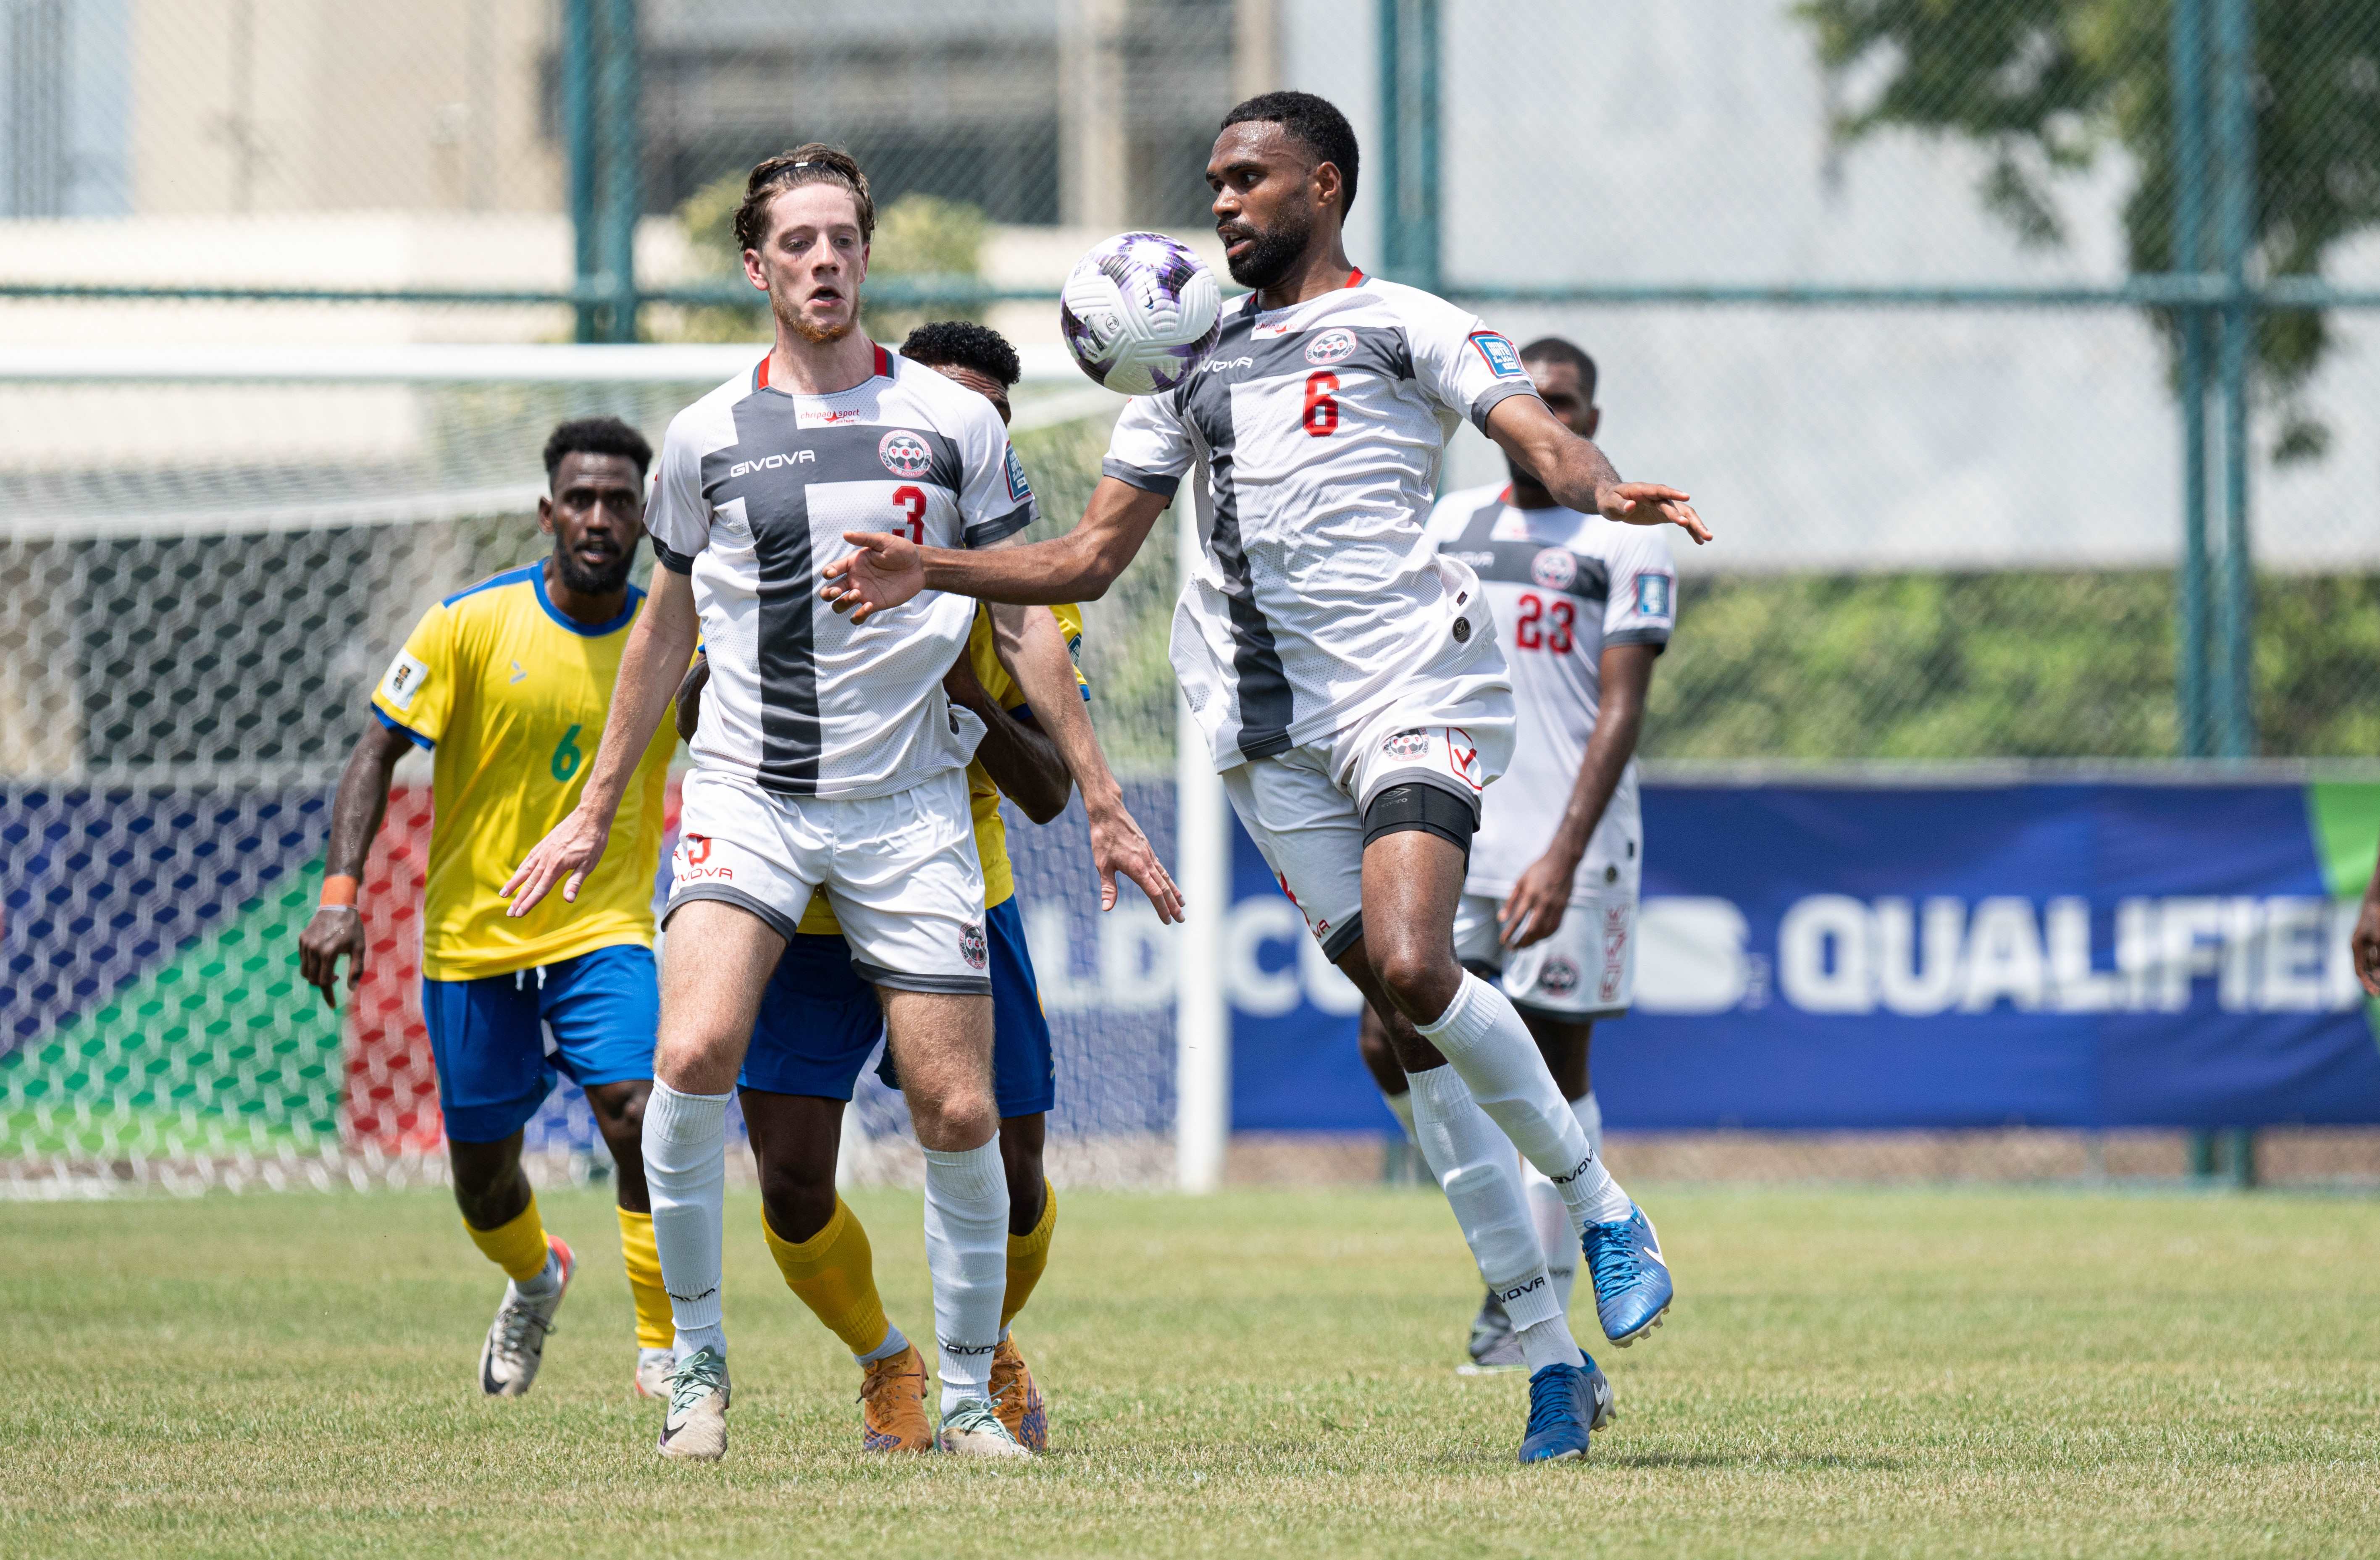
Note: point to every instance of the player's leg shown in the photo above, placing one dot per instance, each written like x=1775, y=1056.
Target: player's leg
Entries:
x=908, y=889
x=1564, y=1045
x=817, y=1025
x=489, y=1056
x=716, y=958
x=1309, y=833
x=1024, y=1088
x=601, y=1009
x=1380, y=1061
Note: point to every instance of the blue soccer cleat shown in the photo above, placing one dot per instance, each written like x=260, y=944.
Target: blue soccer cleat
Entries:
x=1632, y=1283
x=1600, y=1412
x=1560, y=1411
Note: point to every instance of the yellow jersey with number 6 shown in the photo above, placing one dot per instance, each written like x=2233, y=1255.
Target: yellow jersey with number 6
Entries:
x=509, y=696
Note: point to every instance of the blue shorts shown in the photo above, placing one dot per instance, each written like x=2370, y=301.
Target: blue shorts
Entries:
x=819, y=1022
x=488, y=1036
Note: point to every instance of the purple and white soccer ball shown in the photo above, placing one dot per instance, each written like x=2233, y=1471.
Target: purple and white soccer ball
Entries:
x=1140, y=313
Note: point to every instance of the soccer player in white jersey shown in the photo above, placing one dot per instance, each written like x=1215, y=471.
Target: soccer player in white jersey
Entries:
x=1350, y=680
x=828, y=754
x=1583, y=606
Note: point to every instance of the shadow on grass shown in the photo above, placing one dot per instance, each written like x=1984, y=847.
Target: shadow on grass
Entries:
x=1741, y=1459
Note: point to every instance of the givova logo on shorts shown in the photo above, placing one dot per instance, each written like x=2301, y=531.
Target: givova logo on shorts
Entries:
x=904, y=454
x=972, y=948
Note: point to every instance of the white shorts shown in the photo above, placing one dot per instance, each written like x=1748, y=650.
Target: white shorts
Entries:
x=1305, y=808
x=1585, y=970
x=900, y=870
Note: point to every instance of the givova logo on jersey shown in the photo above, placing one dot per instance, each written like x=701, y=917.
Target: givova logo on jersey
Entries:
x=904, y=454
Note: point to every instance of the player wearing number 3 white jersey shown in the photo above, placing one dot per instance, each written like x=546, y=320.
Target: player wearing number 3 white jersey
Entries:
x=1348, y=682
x=827, y=756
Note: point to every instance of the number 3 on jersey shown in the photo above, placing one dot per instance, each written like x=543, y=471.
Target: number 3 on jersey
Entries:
x=1537, y=629
x=1320, y=418
x=911, y=500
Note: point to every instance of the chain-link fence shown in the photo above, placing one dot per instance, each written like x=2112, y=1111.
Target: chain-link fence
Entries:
x=1907, y=294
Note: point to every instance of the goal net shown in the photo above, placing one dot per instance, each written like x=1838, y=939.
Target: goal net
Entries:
x=207, y=557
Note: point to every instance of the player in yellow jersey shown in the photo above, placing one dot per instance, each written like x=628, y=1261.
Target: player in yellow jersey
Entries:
x=819, y=1022
x=507, y=683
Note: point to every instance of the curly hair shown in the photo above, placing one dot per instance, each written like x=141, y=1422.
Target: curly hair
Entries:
x=597, y=436
x=963, y=343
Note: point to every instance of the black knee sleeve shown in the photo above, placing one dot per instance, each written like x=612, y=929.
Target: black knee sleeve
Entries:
x=1432, y=809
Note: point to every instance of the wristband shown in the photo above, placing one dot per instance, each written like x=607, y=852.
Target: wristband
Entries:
x=338, y=892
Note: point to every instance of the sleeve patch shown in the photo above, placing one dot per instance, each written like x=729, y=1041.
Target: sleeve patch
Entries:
x=405, y=676
x=1653, y=596
x=1502, y=359
x=1019, y=490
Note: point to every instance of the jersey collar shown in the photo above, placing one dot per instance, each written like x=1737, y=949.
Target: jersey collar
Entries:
x=760, y=369
x=618, y=621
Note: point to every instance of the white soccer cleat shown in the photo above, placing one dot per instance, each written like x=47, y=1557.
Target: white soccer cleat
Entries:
x=654, y=1367
x=515, y=1343
x=695, y=1426
x=973, y=1429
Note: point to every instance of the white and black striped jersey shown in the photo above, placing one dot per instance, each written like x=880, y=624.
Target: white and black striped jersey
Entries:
x=1318, y=429
x=755, y=490
x=1563, y=586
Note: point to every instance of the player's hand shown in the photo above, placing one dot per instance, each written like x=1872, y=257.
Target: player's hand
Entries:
x=334, y=931
x=1118, y=845
x=2365, y=945
x=564, y=856
x=1540, y=897
x=885, y=571
x=1649, y=503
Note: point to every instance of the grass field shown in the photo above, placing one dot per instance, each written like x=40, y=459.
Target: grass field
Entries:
x=1860, y=1373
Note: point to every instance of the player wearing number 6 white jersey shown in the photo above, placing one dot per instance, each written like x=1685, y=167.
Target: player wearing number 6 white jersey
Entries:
x=827, y=756
x=1348, y=681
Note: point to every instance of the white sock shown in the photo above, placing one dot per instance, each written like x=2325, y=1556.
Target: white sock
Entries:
x=1482, y=1035
x=893, y=1344
x=685, y=1168
x=1556, y=1234
x=966, y=1252
x=1590, y=1120
x=548, y=1279
x=1401, y=1107
x=1473, y=1164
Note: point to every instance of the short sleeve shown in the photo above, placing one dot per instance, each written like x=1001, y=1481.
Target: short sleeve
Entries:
x=995, y=501
x=1150, y=448
x=1468, y=367
x=678, y=518
x=417, y=694
x=1643, y=606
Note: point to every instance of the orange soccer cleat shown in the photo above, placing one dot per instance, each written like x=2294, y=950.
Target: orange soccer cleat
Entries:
x=893, y=1405
x=1016, y=1400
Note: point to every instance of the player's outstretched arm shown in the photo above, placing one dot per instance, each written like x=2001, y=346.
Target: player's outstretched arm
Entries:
x=1578, y=476
x=651, y=665
x=1534, y=908
x=1035, y=653
x=1079, y=566
x=337, y=924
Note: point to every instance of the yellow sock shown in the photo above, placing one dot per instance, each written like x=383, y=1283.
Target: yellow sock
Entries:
x=833, y=1272
x=1029, y=1254
x=654, y=1328
x=517, y=1247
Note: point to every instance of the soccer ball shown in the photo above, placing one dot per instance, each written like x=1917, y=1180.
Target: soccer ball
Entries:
x=1140, y=313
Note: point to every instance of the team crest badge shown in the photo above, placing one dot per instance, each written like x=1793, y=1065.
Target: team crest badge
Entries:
x=904, y=454
x=1558, y=978
x=1554, y=568
x=1406, y=744
x=1334, y=345
x=972, y=947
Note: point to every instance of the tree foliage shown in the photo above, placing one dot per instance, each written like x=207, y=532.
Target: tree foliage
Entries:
x=2050, y=85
